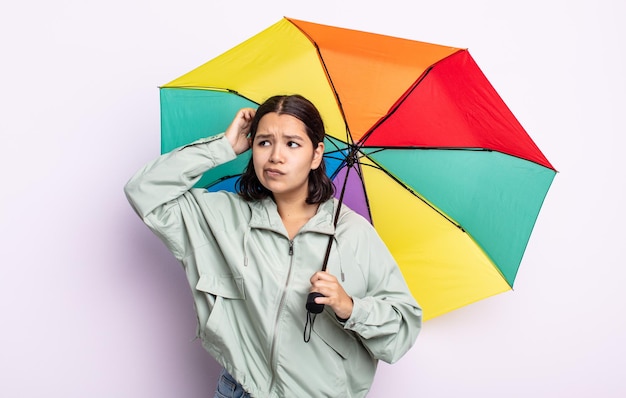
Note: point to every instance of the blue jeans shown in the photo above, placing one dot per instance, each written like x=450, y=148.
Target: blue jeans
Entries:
x=227, y=387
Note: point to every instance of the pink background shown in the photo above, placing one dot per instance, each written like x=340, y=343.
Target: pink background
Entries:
x=93, y=305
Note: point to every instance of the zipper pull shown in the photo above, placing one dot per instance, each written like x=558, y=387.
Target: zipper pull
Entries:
x=291, y=248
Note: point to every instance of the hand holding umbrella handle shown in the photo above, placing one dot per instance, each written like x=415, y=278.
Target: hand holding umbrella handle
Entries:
x=311, y=306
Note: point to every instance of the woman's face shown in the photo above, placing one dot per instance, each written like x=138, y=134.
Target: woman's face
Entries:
x=283, y=155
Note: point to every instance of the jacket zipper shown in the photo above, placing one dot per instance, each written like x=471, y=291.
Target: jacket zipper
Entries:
x=280, y=310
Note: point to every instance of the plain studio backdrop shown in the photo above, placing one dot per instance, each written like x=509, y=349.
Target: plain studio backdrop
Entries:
x=93, y=305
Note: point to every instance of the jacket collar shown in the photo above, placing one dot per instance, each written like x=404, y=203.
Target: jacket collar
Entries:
x=265, y=216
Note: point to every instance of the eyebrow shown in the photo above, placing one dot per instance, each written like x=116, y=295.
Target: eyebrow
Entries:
x=261, y=136
x=293, y=137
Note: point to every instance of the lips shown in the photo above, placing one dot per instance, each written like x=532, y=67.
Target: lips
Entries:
x=274, y=172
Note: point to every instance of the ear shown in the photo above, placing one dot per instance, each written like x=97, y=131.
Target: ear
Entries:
x=318, y=156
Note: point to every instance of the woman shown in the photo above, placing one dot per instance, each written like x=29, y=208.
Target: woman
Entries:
x=252, y=258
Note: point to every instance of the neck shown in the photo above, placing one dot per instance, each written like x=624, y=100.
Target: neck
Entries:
x=298, y=209
x=294, y=214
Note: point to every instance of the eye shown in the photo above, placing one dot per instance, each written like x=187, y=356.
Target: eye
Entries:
x=263, y=143
x=293, y=144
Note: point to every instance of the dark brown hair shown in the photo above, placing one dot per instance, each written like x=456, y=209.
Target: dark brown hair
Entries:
x=321, y=187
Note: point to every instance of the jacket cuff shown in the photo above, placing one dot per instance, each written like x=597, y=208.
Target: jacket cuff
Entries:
x=221, y=149
x=360, y=313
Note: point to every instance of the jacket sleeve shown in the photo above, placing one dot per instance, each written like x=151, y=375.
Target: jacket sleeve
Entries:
x=387, y=319
x=158, y=190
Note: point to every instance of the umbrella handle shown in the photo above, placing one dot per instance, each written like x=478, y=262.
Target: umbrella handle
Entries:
x=312, y=310
x=311, y=305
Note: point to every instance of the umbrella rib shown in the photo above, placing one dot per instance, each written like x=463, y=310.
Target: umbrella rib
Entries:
x=398, y=103
x=427, y=148
x=241, y=95
x=351, y=161
x=223, y=178
x=448, y=148
x=412, y=192
x=334, y=145
x=209, y=88
x=359, y=172
x=330, y=81
x=395, y=106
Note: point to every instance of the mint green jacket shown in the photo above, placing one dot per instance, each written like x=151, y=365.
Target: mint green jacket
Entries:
x=250, y=281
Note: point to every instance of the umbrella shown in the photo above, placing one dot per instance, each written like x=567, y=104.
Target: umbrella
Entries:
x=441, y=167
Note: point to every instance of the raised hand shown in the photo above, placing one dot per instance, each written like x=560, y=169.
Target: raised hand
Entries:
x=237, y=132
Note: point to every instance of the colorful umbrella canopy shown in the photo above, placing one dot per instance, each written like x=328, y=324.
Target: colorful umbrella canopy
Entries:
x=445, y=173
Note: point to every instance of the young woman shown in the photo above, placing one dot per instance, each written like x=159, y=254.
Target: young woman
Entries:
x=253, y=257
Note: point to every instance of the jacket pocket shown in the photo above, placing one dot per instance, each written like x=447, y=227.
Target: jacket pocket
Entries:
x=227, y=294
x=226, y=286
x=357, y=364
x=334, y=336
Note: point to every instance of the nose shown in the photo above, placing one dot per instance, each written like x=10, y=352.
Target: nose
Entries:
x=275, y=155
